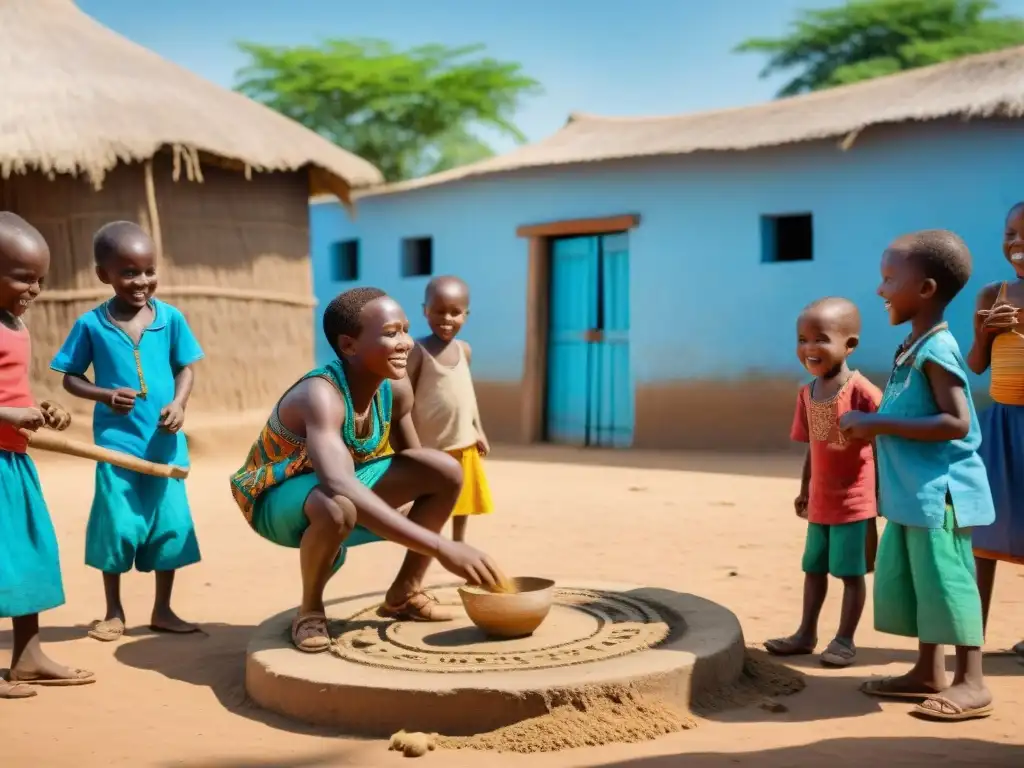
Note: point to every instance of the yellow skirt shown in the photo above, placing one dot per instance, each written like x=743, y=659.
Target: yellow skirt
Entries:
x=475, y=498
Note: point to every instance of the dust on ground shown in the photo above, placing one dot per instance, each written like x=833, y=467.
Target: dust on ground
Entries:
x=720, y=527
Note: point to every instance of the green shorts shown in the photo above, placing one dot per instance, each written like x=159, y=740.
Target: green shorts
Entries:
x=838, y=550
x=279, y=514
x=926, y=586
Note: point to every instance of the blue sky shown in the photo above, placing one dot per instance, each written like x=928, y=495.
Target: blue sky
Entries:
x=612, y=57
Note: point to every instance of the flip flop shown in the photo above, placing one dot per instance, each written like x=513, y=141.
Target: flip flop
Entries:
x=309, y=633
x=786, y=646
x=419, y=606
x=16, y=691
x=79, y=677
x=948, y=711
x=107, y=631
x=877, y=688
x=838, y=654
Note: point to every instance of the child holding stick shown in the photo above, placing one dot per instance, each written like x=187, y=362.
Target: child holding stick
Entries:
x=30, y=579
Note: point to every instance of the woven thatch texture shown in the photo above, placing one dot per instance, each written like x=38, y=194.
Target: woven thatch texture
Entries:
x=988, y=85
x=221, y=240
x=79, y=98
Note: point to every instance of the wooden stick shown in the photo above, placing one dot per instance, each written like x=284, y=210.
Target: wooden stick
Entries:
x=47, y=440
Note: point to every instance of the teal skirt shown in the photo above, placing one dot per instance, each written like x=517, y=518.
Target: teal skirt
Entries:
x=29, y=562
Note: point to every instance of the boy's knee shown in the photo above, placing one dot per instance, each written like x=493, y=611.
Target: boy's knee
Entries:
x=343, y=513
x=449, y=473
x=336, y=513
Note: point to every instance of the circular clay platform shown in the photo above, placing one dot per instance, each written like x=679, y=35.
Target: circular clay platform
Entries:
x=383, y=676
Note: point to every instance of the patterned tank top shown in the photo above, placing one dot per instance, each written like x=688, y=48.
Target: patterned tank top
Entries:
x=1007, y=363
x=279, y=453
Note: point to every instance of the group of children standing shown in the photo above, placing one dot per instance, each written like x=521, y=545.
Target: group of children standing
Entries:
x=918, y=455
x=142, y=351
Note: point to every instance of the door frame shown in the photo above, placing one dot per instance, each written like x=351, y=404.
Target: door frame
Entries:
x=538, y=298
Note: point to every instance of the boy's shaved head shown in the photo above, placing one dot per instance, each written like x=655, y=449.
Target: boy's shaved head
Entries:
x=446, y=285
x=119, y=237
x=17, y=236
x=837, y=311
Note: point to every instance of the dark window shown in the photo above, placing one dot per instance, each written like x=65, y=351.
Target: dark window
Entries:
x=417, y=257
x=345, y=261
x=787, y=238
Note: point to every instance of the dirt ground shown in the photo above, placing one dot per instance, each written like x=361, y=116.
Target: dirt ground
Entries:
x=721, y=527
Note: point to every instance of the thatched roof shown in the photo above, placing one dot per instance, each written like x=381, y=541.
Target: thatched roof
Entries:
x=987, y=85
x=79, y=98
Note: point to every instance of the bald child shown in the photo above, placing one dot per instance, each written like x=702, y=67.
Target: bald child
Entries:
x=445, y=412
x=837, y=494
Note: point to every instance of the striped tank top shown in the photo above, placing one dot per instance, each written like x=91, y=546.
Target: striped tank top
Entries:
x=279, y=453
x=1007, y=382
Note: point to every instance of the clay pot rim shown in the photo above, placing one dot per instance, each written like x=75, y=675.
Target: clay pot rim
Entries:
x=538, y=584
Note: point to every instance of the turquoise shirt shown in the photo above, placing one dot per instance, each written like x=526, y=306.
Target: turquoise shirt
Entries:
x=147, y=368
x=914, y=476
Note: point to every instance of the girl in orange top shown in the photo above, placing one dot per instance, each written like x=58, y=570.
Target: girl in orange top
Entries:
x=30, y=580
x=999, y=346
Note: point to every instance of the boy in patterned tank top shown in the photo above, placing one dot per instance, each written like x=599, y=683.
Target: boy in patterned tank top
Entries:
x=444, y=410
x=837, y=494
x=337, y=459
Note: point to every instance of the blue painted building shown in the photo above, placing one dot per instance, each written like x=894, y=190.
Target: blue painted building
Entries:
x=636, y=281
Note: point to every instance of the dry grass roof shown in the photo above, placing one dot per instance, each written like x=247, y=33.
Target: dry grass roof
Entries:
x=987, y=85
x=79, y=98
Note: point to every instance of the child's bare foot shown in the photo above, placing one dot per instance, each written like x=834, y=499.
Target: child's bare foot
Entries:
x=963, y=701
x=903, y=687
x=166, y=620
x=36, y=668
x=794, y=645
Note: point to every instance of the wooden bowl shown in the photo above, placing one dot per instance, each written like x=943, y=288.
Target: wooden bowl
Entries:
x=510, y=614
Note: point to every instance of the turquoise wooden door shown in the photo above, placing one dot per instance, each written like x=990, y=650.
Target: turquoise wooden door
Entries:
x=589, y=391
x=573, y=313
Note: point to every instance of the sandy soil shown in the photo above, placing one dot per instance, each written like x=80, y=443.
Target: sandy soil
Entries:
x=720, y=527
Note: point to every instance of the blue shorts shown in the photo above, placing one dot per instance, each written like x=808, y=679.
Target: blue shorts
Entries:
x=141, y=521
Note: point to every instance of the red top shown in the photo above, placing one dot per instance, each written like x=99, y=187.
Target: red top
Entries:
x=15, y=355
x=842, y=471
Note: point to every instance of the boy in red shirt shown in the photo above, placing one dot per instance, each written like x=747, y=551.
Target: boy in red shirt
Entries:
x=837, y=495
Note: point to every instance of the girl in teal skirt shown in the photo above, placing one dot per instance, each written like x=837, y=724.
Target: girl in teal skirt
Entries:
x=30, y=580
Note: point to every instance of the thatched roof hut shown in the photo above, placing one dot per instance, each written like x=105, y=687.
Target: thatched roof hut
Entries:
x=96, y=128
x=989, y=85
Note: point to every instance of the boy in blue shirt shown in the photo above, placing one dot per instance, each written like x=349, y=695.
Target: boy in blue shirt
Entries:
x=141, y=351
x=932, y=485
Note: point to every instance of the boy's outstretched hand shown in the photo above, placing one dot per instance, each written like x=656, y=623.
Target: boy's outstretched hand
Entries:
x=468, y=563
x=54, y=416
x=172, y=417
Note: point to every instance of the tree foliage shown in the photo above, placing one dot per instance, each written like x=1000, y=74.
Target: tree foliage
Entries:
x=864, y=39
x=406, y=111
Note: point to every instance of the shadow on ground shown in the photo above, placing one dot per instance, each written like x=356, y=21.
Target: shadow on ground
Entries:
x=849, y=753
x=773, y=464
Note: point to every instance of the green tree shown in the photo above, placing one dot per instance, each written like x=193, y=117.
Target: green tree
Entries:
x=863, y=39
x=406, y=111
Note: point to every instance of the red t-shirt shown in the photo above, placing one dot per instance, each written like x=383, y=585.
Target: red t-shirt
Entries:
x=842, y=486
x=15, y=355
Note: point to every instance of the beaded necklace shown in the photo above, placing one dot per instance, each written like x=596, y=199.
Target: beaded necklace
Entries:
x=363, y=447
